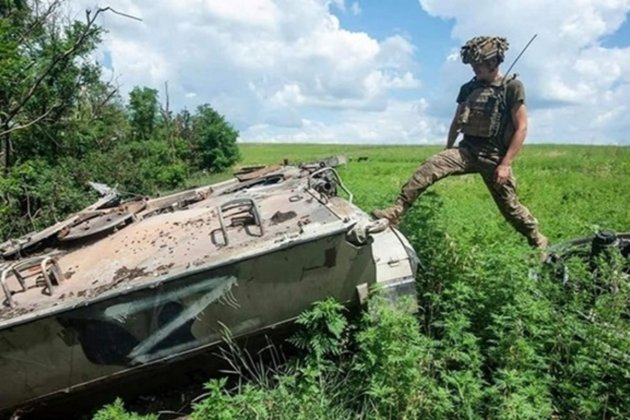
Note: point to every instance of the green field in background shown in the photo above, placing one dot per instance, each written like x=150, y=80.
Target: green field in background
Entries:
x=571, y=190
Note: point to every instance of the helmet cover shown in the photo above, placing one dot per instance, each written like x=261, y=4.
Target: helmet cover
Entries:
x=482, y=48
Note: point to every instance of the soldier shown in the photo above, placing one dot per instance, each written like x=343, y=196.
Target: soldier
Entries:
x=492, y=116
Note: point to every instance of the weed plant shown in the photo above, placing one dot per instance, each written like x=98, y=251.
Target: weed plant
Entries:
x=496, y=336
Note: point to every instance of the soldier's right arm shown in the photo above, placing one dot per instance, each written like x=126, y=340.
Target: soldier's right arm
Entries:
x=453, y=131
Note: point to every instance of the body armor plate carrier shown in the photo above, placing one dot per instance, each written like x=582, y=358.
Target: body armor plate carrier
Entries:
x=484, y=113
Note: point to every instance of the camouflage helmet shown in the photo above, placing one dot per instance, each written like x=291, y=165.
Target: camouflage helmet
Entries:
x=482, y=48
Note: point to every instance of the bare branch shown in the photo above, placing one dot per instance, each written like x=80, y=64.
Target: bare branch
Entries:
x=51, y=66
x=58, y=62
x=166, y=114
x=39, y=20
x=89, y=27
x=108, y=98
x=102, y=103
x=35, y=121
x=120, y=13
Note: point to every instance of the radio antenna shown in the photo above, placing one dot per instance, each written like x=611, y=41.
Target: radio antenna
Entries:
x=519, y=56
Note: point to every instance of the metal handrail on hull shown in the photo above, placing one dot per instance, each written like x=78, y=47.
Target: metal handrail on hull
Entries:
x=17, y=267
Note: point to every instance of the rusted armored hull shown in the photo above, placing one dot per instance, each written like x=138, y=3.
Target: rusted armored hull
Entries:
x=165, y=287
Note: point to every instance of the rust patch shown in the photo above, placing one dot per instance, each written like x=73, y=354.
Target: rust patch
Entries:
x=163, y=269
x=124, y=274
x=247, y=174
x=14, y=312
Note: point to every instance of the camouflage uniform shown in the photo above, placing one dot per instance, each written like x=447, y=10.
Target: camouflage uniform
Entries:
x=479, y=155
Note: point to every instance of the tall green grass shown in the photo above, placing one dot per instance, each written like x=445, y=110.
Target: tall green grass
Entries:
x=497, y=335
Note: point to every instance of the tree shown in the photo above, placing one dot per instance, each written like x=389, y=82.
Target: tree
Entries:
x=54, y=110
x=143, y=112
x=45, y=73
x=214, y=140
x=61, y=125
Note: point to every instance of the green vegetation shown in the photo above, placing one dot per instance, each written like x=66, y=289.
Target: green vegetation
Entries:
x=62, y=126
x=570, y=189
x=116, y=410
x=497, y=336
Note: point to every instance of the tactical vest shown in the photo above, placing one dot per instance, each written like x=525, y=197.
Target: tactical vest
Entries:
x=484, y=110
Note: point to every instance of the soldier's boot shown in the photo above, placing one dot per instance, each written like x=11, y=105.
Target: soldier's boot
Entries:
x=540, y=242
x=394, y=213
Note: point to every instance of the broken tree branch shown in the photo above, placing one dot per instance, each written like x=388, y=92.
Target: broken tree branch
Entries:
x=109, y=9
x=35, y=121
x=90, y=19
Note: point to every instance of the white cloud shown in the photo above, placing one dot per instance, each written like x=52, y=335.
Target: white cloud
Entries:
x=401, y=122
x=259, y=62
x=288, y=70
x=577, y=89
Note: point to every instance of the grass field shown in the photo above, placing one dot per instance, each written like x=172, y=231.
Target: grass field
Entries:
x=497, y=336
x=570, y=189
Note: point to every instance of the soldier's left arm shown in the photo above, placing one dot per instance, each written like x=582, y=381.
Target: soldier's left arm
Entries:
x=519, y=119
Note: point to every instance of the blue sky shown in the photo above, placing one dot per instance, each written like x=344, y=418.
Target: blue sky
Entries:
x=382, y=19
x=344, y=71
x=620, y=38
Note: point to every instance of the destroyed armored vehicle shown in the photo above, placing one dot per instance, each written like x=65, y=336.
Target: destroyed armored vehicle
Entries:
x=130, y=284
x=592, y=250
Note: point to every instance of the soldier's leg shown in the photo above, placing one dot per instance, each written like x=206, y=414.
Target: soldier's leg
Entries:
x=448, y=162
x=514, y=212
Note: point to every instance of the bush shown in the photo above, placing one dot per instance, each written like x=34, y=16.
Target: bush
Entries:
x=394, y=371
x=214, y=140
x=116, y=411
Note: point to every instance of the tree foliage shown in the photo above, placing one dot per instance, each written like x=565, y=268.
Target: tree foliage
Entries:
x=61, y=125
x=214, y=139
x=143, y=112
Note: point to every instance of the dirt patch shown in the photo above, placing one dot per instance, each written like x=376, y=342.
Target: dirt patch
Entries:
x=281, y=217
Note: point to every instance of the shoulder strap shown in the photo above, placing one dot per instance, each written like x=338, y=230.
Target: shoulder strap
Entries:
x=505, y=112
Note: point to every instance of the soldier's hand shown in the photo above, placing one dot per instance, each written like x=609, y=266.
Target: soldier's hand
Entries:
x=501, y=174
